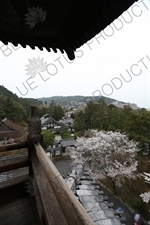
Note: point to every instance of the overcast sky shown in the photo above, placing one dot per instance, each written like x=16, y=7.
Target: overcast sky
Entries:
x=115, y=64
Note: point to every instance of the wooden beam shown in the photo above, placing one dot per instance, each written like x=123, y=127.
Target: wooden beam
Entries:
x=52, y=211
x=72, y=209
x=10, y=183
x=22, y=162
x=15, y=146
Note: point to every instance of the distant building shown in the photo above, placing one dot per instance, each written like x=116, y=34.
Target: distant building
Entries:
x=121, y=105
x=68, y=121
x=8, y=129
x=47, y=122
x=70, y=142
x=60, y=148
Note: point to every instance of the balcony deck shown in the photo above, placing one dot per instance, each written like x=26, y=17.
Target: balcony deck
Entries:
x=17, y=206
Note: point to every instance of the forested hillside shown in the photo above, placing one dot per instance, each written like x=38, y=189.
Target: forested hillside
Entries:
x=18, y=109
x=101, y=116
x=14, y=108
x=64, y=100
x=135, y=123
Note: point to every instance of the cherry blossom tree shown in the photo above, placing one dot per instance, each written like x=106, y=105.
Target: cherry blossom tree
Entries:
x=146, y=195
x=109, y=154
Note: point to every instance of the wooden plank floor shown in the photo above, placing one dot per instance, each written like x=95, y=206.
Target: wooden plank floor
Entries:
x=17, y=207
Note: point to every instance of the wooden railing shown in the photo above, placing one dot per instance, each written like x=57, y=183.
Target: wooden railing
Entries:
x=12, y=163
x=56, y=203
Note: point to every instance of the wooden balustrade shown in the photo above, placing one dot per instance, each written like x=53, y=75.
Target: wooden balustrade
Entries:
x=12, y=163
x=56, y=203
x=15, y=146
x=21, y=163
x=72, y=209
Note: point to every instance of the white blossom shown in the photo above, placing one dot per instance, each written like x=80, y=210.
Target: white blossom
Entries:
x=109, y=154
x=146, y=195
x=146, y=177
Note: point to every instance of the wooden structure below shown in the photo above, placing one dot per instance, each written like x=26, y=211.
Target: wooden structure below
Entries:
x=8, y=129
x=52, y=202
x=17, y=207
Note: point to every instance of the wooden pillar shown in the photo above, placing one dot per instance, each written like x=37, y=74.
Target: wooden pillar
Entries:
x=34, y=135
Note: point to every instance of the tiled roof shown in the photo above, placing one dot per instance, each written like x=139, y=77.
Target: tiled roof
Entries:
x=63, y=25
x=12, y=126
x=92, y=197
x=96, y=204
x=46, y=119
x=8, y=129
x=68, y=142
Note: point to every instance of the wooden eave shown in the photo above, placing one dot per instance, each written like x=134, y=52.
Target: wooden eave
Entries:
x=67, y=26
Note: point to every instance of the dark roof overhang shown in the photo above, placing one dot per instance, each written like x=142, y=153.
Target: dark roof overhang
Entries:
x=51, y=24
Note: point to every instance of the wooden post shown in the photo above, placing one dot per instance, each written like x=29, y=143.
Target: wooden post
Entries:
x=34, y=136
x=34, y=128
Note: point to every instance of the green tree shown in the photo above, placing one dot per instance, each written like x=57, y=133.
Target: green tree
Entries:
x=48, y=138
x=139, y=127
x=126, y=115
x=101, y=115
x=64, y=132
x=58, y=112
x=114, y=118
x=42, y=111
x=55, y=111
x=135, y=123
x=45, y=104
x=67, y=135
x=2, y=113
x=15, y=111
x=79, y=122
x=19, y=111
x=95, y=116
x=51, y=108
x=72, y=115
x=26, y=106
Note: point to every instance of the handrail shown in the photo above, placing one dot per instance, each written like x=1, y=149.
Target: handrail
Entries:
x=15, y=146
x=71, y=207
x=56, y=202
x=13, y=163
x=49, y=209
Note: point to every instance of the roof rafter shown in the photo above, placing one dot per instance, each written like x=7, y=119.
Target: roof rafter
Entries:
x=57, y=25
